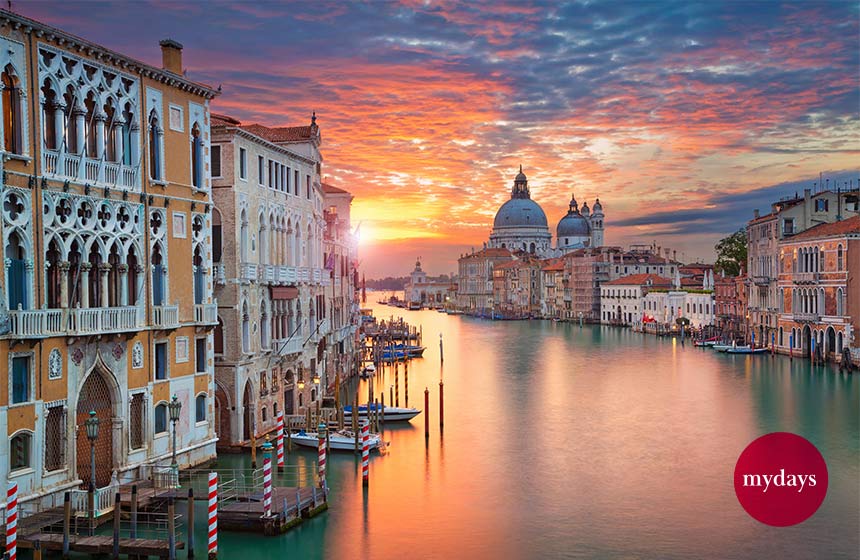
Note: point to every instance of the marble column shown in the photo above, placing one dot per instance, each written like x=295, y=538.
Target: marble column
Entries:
x=104, y=270
x=123, y=285
x=85, y=284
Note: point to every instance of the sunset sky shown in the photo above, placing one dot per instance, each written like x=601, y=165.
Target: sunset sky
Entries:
x=682, y=118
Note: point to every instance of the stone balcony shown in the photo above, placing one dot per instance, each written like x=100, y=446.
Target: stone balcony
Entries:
x=284, y=347
x=806, y=277
x=42, y=323
x=248, y=272
x=220, y=274
x=82, y=169
x=206, y=313
x=761, y=280
x=807, y=317
x=165, y=316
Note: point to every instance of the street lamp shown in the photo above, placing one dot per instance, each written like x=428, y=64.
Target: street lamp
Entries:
x=174, y=407
x=92, y=426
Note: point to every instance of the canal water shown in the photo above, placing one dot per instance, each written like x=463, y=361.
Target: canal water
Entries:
x=569, y=442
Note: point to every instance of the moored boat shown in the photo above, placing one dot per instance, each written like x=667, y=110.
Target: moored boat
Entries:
x=368, y=370
x=342, y=440
x=746, y=350
x=391, y=413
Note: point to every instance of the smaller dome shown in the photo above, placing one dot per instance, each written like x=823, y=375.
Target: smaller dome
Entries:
x=585, y=210
x=573, y=225
x=598, y=208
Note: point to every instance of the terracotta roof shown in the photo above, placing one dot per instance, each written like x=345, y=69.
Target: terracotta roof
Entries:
x=331, y=189
x=223, y=120
x=507, y=265
x=639, y=280
x=765, y=218
x=488, y=252
x=842, y=227
x=553, y=265
x=280, y=134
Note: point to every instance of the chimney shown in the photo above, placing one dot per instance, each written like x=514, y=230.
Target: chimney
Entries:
x=807, y=194
x=171, y=56
x=755, y=214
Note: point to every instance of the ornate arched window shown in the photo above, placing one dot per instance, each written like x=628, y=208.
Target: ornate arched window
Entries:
x=154, y=135
x=12, y=125
x=196, y=157
x=839, y=257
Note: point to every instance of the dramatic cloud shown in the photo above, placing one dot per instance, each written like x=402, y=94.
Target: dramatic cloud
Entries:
x=682, y=118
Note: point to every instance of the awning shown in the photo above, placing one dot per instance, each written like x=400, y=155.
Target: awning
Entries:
x=284, y=292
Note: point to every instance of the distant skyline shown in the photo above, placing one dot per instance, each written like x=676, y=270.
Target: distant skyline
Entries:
x=682, y=118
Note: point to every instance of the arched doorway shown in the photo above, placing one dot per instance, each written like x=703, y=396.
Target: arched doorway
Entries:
x=830, y=343
x=222, y=416
x=806, y=345
x=97, y=394
x=247, y=411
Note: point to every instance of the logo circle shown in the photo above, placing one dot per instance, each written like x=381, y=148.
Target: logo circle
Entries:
x=781, y=479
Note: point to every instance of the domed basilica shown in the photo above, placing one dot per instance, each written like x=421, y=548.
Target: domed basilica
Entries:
x=521, y=225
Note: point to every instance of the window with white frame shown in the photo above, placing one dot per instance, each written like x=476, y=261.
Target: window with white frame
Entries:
x=243, y=163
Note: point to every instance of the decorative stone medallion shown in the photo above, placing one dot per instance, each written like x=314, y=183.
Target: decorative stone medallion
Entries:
x=137, y=355
x=55, y=364
x=77, y=356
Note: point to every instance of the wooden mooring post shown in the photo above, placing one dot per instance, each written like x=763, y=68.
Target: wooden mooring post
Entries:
x=117, y=514
x=190, y=520
x=67, y=522
x=441, y=405
x=426, y=413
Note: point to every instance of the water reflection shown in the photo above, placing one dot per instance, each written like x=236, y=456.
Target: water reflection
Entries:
x=581, y=442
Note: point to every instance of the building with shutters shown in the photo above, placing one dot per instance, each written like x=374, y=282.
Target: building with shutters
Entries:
x=285, y=265
x=106, y=213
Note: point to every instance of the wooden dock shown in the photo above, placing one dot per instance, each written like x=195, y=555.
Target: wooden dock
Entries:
x=98, y=544
x=290, y=506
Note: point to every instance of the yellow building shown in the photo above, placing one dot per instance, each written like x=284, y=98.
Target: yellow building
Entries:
x=107, y=292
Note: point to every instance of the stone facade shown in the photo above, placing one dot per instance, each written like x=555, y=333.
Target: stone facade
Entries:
x=107, y=290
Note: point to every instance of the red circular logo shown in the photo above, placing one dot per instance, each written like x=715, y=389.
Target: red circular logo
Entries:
x=781, y=479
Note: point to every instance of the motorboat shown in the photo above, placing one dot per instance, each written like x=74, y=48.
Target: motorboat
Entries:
x=411, y=350
x=746, y=350
x=368, y=371
x=390, y=413
x=341, y=440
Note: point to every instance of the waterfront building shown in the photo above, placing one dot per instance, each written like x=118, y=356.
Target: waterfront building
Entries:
x=552, y=289
x=584, y=271
x=475, y=279
x=516, y=287
x=730, y=310
x=682, y=301
x=426, y=290
x=340, y=294
x=622, y=299
x=764, y=234
x=269, y=233
x=107, y=290
x=520, y=224
x=818, y=290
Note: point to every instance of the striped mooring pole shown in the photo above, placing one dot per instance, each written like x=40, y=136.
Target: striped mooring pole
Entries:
x=12, y=521
x=321, y=429
x=365, y=452
x=213, y=516
x=280, y=441
x=267, y=479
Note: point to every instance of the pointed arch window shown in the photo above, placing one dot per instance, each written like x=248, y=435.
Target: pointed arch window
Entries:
x=839, y=257
x=12, y=125
x=52, y=117
x=154, y=135
x=196, y=157
x=216, y=236
x=17, y=277
x=246, y=329
x=125, y=136
x=158, y=276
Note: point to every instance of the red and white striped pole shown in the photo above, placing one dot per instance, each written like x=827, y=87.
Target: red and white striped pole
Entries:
x=213, y=516
x=12, y=521
x=321, y=434
x=365, y=452
x=280, y=441
x=267, y=479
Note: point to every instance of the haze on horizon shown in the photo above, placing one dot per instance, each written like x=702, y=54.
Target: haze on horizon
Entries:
x=682, y=118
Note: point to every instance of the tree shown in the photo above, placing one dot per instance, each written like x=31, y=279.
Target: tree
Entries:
x=731, y=253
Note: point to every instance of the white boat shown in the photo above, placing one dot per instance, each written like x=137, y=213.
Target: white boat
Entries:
x=746, y=350
x=391, y=413
x=342, y=440
x=368, y=370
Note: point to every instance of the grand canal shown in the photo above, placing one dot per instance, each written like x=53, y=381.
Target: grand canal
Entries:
x=569, y=442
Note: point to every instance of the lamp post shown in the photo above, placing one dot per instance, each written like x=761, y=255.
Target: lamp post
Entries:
x=92, y=426
x=175, y=407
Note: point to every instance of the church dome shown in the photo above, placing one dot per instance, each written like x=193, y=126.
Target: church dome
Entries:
x=573, y=225
x=520, y=212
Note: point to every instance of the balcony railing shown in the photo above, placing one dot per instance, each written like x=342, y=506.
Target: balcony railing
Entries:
x=206, y=313
x=284, y=347
x=287, y=275
x=36, y=323
x=806, y=277
x=248, y=272
x=807, y=317
x=761, y=280
x=100, y=172
x=325, y=327
x=97, y=320
x=165, y=316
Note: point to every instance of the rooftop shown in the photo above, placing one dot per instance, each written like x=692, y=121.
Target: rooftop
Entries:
x=842, y=227
x=639, y=280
